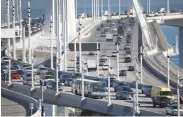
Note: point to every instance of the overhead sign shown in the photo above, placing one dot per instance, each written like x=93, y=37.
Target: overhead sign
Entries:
x=92, y=46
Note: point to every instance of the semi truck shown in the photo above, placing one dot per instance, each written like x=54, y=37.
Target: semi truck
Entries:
x=91, y=65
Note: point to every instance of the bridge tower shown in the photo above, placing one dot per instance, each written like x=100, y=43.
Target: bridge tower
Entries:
x=70, y=17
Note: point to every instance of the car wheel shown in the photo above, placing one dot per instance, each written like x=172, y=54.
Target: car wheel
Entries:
x=166, y=112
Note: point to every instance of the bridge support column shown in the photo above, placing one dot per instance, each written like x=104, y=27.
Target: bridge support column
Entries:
x=181, y=47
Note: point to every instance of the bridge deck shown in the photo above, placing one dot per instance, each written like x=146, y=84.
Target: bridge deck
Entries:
x=11, y=108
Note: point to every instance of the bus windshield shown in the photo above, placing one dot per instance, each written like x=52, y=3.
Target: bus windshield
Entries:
x=99, y=90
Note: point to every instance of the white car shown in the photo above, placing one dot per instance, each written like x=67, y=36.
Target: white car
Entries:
x=42, y=70
x=114, y=54
x=105, y=67
x=104, y=57
x=172, y=110
x=28, y=81
x=5, y=59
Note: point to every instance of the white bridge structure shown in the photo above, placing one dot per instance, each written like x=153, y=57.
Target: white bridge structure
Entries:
x=60, y=28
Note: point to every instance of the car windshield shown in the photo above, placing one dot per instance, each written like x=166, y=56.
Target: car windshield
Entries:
x=43, y=68
x=174, y=107
x=70, y=79
x=166, y=93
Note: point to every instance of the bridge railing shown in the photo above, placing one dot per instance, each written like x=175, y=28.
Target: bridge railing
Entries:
x=23, y=98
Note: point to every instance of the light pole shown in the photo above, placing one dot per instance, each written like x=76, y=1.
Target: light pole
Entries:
x=29, y=33
x=149, y=6
x=109, y=93
x=92, y=10
x=24, y=49
x=168, y=61
x=51, y=44
x=168, y=6
x=136, y=93
x=32, y=70
x=141, y=75
x=14, y=39
x=147, y=11
x=82, y=76
x=117, y=43
x=98, y=52
x=108, y=7
x=178, y=93
x=41, y=86
x=57, y=74
x=80, y=54
x=76, y=5
x=9, y=68
x=8, y=23
x=119, y=8
x=102, y=8
x=75, y=69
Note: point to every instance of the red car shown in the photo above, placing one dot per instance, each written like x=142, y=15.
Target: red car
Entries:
x=16, y=76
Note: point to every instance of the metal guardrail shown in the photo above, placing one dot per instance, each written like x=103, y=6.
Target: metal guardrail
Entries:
x=24, y=98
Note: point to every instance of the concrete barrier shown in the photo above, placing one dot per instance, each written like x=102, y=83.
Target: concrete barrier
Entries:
x=24, y=98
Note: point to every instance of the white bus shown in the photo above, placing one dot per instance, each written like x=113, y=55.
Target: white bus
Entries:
x=93, y=89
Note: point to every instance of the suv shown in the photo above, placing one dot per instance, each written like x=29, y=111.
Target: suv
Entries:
x=131, y=68
x=122, y=73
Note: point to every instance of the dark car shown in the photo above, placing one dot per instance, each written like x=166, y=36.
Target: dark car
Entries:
x=131, y=68
x=128, y=52
x=101, y=63
x=112, y=82
x=146, y=89
x=122, y=73
x=125, y=93
x=91, y=53
x=69, y=82
x=161, y=101
x=118, y=85
x=98, y=29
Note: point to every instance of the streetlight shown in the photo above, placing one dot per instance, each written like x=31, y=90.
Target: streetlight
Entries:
x=168, y=6
x=117, y=48
x=32, y=70
x=109, y=98
x=57, y=67
x=9, y=68
x=80, y=54
x=178, y=93
x=141, y=54
x=98, y=52
x=168, y=62
x=82, y=76
x=51, y=44
x=41, y=86
x=119, y=8
x=136, y=94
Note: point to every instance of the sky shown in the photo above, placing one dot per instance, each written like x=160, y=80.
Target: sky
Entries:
x=39, y=4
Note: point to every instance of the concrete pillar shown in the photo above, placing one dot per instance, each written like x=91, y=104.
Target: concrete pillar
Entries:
x=181, y=47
